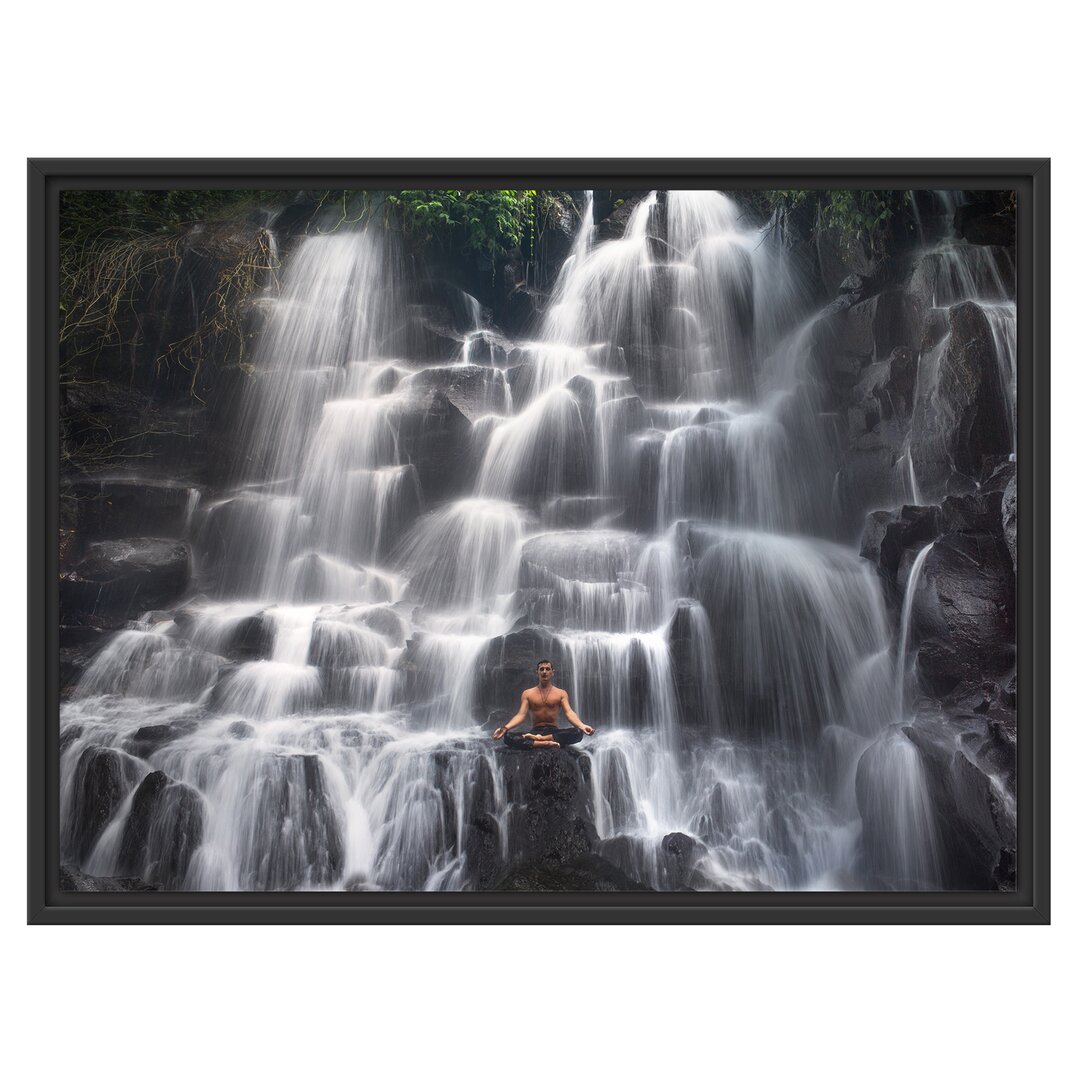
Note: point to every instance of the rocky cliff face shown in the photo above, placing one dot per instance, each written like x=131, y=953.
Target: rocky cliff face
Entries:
x=926, y=460
x=909, y=358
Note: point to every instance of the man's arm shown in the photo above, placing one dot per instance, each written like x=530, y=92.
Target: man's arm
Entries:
x=573, y=716
x=518, y=717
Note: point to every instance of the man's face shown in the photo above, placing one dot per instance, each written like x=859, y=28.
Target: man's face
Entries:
x=545, y=671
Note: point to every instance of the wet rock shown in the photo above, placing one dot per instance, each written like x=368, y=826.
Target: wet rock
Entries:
x=76, y=659
x=587, y=873
x=964, y=612
x=853, y=283
x=960, y=416
x=435, y=436
x=887, y=534
x=240, y=729
x=975, y=828
x=693, y=698
x=877, y=326
x=556, y=238
x=68, y=736
x=998, y=470
x=152, y=737
x=646, y=451
x=163, y=830
x=997, y=754
x=426, y=335
x=74, y=636
x=120, y=507
x=253, y=638
x=474, y=391
x=338, y=645
x=1008, y=519
x=297, y=831
x=523, y=310
x=613, y=226
x=549, y=824
x=74, y=880
x=386, y=622
x=935, y=327
x=679, y=856
x=579, y=511
x=127, y=576
x=103, y=777
x=979, y=512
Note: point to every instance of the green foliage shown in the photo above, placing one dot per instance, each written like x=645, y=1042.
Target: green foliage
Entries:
x=854, y=215
x=493, y=223
x=862, y=215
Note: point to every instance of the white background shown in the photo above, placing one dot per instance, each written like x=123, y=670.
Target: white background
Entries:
x=543, y=79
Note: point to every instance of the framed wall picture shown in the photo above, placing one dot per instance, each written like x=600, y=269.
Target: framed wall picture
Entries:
x=637, y=541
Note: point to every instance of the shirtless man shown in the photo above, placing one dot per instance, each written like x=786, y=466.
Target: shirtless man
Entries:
x=544, y=701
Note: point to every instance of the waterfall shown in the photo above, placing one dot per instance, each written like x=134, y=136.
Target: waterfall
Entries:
x=645, y=488
x=905, y=628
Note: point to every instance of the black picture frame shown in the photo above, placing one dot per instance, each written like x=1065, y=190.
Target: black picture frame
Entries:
x=1029, y=904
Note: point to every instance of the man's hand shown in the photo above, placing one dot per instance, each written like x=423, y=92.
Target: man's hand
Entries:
x=588, y=730
x=499, y=732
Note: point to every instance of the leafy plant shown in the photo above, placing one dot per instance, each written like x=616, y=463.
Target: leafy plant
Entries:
x=493, y=223
x=854, y=215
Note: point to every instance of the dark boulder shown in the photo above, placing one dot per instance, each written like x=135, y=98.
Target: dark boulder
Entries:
x=103, y=777
x=891, y=383
x=854, y=283
x=551, y=793
x=426, y=335
x=997, y=752
x=977, y=830
x=297, y=831
x=436, y=437
x=877, y=326
x=679, y=857
x=523, y=309
x=127, y=576
x=960, y=416
x=151, y=737
x=888, y=533
x=964, y=613
x=473, y=390
x=253, y=638
x=684, y=634
x=613, y=225
x=163, y=830
x=549, y=827
x=387, y=622
x=586, y=873
x=978, y=512
x=556, y=237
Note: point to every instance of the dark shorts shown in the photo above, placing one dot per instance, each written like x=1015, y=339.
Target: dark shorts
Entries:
x=563, y=736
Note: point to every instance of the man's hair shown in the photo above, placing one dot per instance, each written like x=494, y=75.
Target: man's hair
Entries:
x=539, y=662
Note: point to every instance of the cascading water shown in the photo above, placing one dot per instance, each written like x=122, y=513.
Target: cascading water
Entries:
x=646, y=488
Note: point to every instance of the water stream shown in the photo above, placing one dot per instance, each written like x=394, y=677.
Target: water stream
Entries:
x=645, y=488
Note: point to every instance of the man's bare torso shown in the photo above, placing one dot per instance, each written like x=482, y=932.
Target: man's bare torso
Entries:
x=544, y=705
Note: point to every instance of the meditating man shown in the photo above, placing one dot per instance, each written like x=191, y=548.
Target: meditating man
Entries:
x=544, y=701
